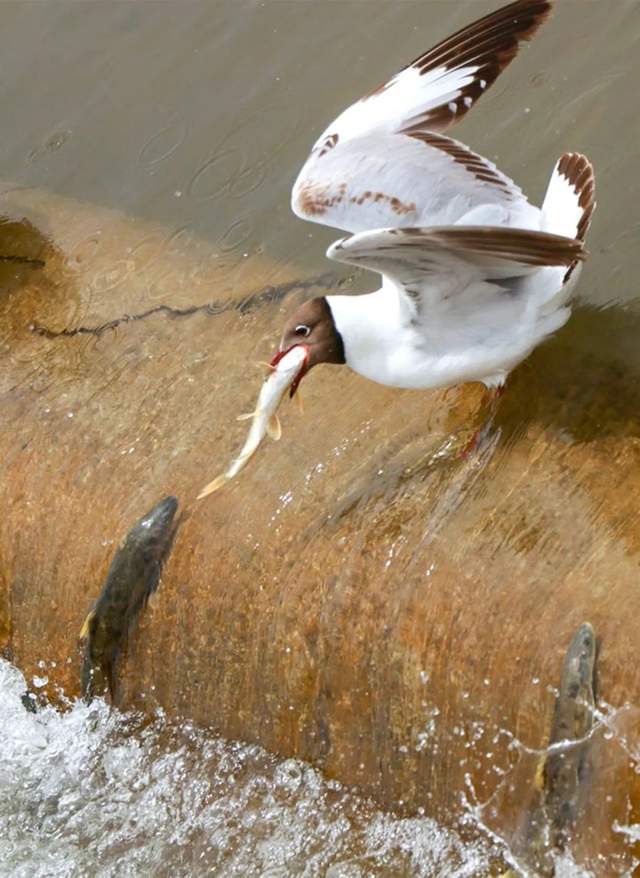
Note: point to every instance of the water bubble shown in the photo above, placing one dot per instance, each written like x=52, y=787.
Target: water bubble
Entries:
x=56, y=140
x=92, y=790
x=288, y=775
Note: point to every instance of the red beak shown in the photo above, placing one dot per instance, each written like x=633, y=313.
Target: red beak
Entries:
x=303, y=369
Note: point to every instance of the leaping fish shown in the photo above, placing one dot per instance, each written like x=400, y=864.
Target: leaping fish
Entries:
x=134, y=574
x=287, y=370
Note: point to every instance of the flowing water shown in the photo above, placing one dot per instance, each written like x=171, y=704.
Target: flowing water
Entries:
x=148, y=152
x=93, y=792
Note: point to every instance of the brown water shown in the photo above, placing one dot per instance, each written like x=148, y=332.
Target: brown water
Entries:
x=153, y=146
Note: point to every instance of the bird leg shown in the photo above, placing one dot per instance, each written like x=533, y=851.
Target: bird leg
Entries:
x=492, y=401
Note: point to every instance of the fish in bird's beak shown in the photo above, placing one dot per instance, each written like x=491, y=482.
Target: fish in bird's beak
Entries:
x=310, y=337
x=287, y=368
x=304, y=368
x=311, y=326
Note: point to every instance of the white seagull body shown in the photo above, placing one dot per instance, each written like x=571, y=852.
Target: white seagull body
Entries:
x=473, y=275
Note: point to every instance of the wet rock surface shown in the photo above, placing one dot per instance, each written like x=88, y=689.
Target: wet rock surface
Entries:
x=362, y=597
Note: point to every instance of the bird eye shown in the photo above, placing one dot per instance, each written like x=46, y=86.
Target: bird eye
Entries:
x=303, y=330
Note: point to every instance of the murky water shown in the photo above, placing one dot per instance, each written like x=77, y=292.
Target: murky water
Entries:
x=396, y=618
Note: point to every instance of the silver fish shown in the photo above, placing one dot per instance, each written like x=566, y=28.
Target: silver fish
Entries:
x=287, y=370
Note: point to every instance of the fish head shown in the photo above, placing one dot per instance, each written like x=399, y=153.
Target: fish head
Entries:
x=312, y=326
x=161, y=516
x=148, y=543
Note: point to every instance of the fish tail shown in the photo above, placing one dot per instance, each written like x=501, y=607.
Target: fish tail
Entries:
x=215, y=485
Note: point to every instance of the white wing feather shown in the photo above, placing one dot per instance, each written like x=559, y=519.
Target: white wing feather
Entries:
x=395, y=180
x=385, y=144
x=440, y=86
x=443, y=275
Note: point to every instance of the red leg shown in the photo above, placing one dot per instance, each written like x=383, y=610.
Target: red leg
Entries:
x=492, y=401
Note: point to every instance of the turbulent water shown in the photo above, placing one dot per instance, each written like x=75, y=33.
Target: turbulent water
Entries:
x=90, y=791
x=95, y=792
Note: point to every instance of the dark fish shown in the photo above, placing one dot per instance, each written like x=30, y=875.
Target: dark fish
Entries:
x=133, y=576
x=566, y=770
x=563, y=773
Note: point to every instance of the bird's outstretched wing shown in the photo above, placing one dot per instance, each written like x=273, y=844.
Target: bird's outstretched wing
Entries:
x=386, y=155
x=460, y=276
x=439, y=87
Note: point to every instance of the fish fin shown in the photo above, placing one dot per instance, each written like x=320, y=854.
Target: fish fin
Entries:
x=247, y=416
x=262, y=364
x=299, y=403
x=538, y=780
x=85, y=631
x=274, y=430
x=212, y=486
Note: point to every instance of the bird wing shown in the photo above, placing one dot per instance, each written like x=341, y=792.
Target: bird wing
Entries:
x=408, y=179
x=418, y=103
x=455, y=277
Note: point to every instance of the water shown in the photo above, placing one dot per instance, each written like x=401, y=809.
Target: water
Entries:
x=361, y=598
x=92, y=791
x=100, y=793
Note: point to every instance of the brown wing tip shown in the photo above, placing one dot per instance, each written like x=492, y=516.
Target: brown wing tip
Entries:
x=578, y=171
x=520, y=245
x=489, y=44
x=538, y=10
x=524, y=245
x=489, y=37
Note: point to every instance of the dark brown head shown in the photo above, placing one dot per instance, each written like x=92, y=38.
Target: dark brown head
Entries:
x=312, y=325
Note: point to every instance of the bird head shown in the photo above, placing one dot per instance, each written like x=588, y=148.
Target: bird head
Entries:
x=311, y=326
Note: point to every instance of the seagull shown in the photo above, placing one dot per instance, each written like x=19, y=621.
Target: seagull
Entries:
x=473, y=275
